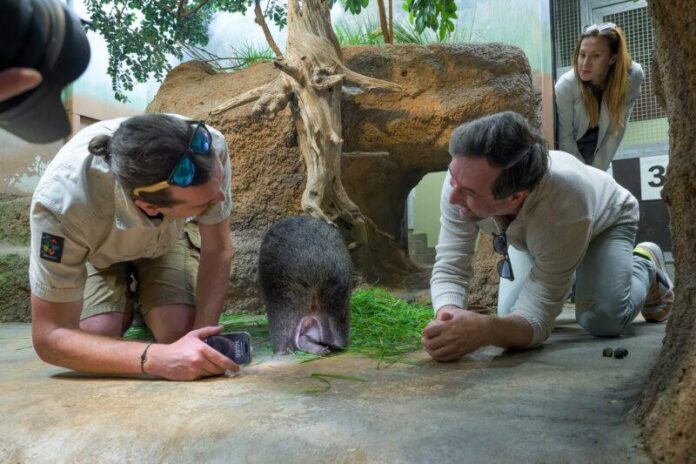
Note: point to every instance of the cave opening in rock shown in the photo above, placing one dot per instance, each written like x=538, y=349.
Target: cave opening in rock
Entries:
x=423, y=218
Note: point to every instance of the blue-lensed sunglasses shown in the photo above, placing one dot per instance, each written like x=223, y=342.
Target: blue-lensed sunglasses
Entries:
x=185, y=169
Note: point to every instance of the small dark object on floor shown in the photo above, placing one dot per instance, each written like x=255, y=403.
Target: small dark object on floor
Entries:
x=620, y=353
x=607, y=352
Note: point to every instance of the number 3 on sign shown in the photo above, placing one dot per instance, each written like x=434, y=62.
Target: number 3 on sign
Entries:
x=653, y=175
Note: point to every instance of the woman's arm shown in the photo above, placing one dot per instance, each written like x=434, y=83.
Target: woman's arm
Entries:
x=565, y=101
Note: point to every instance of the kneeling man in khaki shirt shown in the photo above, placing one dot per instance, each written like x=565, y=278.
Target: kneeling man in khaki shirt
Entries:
x=130, y=207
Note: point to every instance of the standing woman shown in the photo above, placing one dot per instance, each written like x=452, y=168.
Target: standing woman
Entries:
x=594, y=100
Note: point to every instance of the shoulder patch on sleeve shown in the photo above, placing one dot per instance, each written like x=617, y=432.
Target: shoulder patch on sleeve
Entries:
x=51, y=247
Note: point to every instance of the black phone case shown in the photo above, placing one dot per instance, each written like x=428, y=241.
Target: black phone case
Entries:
x=234, y=345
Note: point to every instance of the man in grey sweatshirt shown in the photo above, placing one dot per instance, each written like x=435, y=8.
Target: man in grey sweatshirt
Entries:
x=562, y=217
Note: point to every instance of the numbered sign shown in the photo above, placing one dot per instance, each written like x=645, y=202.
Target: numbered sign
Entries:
x=653, y=174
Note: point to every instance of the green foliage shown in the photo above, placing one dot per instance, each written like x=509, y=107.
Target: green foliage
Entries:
x=406, y=33
x=366, y=31
x=142, y=35
x=354, y=6
x=438, y=15
x=248, y=54
x=362, y=31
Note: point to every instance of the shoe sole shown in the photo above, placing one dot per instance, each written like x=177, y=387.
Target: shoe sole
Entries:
x=657, y=257
x=662, y=310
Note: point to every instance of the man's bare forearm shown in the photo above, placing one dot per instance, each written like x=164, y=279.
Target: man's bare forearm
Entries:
x=86, y=352
x=59, y=340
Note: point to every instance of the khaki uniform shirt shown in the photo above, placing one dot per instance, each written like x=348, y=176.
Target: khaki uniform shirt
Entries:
x=80, y=213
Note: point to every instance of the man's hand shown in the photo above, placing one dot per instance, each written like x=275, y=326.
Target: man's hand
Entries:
x=189, y=358
x=454, y=333
x=15, y=81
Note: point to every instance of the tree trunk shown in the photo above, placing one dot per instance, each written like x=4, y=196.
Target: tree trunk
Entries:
x=668, y=408
x=313, y=73
x=384, y=22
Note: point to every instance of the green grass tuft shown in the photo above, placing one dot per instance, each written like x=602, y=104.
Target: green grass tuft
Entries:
x=385, y=327
x=141, y=333
x=248, y=54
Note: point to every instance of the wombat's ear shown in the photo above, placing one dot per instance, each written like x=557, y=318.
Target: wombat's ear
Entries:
x=309, y=336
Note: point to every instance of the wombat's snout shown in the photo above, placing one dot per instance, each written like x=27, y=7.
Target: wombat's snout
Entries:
x=315, y=335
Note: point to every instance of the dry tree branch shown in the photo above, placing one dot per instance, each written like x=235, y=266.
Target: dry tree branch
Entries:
x=242, y=99
x=259, y=19
x=369, y=83
x=291, y=71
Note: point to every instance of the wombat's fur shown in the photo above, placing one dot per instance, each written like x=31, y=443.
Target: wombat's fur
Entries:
x=305, y=276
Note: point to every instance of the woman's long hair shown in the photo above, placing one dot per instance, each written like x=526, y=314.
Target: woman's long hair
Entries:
x=616, y=83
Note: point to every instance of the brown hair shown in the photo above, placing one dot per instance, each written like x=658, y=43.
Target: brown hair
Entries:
x=144, y=150
x=507, y=141
x=616, y=84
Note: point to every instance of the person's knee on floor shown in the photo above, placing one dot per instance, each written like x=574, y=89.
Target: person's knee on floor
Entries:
x=599, y=320
x=169, y=323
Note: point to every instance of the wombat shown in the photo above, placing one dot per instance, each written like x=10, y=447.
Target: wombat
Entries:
x=305, y=276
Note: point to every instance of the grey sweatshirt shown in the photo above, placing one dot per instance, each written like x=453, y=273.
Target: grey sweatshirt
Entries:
x=572, y=205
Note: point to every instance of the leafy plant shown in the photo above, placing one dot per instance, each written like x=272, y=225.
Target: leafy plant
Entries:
x=143, y=35
x=438, y=15
x=405, y=33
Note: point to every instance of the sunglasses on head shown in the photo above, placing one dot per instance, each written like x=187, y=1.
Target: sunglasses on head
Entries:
x=604, y=27
x=185, y=169
x=500, y=245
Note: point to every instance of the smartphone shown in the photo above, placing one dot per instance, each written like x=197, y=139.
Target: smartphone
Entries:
x=234, y=345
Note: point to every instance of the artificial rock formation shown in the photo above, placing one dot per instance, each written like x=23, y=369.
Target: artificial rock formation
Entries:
x=14, y=262
x=390, y=139
x=668, y=409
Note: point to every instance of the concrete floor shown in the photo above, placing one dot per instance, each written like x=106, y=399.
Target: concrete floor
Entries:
x=563, y=403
